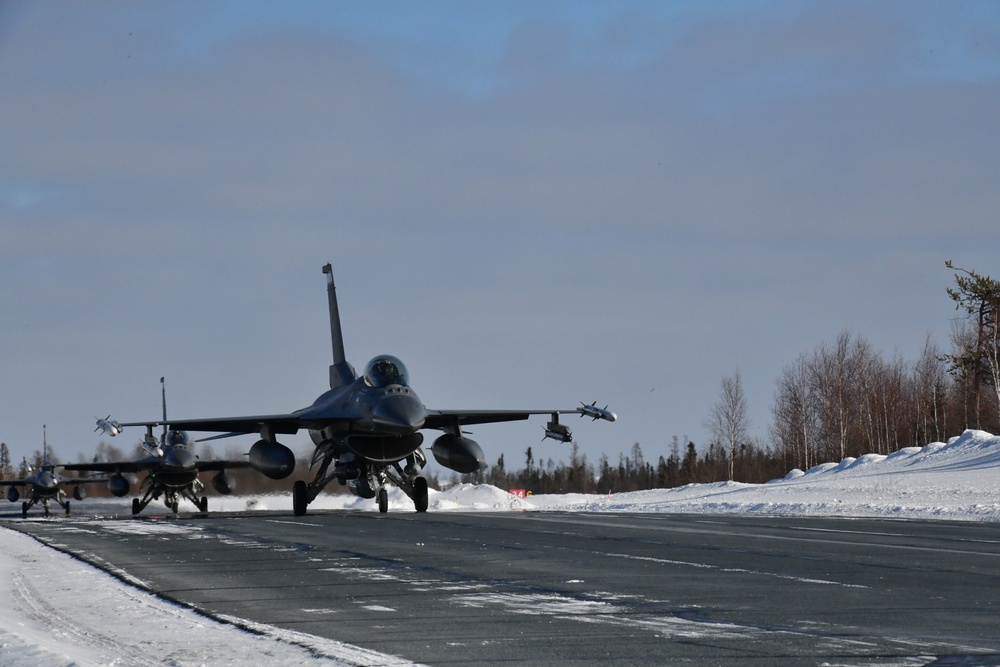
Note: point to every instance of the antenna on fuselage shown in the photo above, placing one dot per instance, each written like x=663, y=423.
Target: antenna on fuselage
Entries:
x=341, y=372
x=45, y=445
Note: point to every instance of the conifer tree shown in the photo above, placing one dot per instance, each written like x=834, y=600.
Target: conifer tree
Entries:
x=979, y=358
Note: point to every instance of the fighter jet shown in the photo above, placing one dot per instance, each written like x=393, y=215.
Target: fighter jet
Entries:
x=366, y=429
x=45, y=485
x=171, y=465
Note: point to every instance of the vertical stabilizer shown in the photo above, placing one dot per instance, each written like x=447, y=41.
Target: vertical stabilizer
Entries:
x=341, y=372
x=163, y=395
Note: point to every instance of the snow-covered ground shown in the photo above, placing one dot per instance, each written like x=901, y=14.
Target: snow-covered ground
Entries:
x=58, y=611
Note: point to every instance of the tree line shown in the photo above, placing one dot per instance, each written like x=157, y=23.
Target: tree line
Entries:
x=632, y=472
x=843, y=399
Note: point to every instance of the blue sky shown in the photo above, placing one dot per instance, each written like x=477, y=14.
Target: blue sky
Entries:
x=532, y=204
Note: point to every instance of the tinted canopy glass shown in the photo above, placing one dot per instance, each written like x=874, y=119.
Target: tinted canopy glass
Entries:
x=385, y=370
x=177, y=439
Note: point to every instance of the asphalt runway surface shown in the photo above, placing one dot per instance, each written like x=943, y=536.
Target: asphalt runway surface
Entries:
x=576, y=589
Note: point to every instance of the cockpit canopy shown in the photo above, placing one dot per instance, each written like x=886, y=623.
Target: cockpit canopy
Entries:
x=176, y=439
x=385, y=370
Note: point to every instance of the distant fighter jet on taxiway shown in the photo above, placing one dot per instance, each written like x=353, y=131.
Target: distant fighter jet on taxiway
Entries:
x=44, y=485
x=171, y=467
x=367, y=429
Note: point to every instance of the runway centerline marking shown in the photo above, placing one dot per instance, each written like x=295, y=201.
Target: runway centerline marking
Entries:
x=294, y=523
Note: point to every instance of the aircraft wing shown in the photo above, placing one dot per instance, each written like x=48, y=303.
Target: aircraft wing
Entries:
x=315, y=417
x=62, y=480
x=140, y=466
x=221, y=465
x=320, y=416
x=437, y=419
x=76, y=481
x=120, y=466
x=284, y=423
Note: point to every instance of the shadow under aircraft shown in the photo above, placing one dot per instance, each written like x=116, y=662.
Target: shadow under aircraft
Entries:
x=45, y=484
x=366, y=430
x=172, y=468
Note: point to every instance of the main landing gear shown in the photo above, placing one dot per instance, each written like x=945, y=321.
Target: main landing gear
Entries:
x=416, y=489
x=28, y=504
x=171, y=496
x=365, y=479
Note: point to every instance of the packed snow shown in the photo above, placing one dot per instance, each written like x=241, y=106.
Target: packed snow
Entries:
x=43, y=588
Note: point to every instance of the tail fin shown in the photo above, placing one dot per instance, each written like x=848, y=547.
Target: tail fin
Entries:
x=163, y=395
x=341, y=372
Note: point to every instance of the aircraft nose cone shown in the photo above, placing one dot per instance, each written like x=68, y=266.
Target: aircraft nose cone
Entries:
x=399, y=414
x=178, y=458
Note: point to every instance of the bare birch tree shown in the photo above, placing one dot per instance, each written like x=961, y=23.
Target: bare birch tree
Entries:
x=728, y=420
x=795, y=425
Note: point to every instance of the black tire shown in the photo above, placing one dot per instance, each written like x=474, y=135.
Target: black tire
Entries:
x=135, y=506
x=300, y=498
x=383, y=500
x=67, y=508
x=173, y=507
x=203, y=505
x=24, y=509
x=420, y=494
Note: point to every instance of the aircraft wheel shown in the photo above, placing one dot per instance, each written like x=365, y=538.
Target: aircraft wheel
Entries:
x=24, y=509
x=173, y=507
x=383, y=500
x=203, y=505
x=135, y=506
x=67, y=508
x=420, y=494
x=300, y=498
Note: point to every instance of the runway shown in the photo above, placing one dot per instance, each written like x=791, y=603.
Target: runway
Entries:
x=573, y=589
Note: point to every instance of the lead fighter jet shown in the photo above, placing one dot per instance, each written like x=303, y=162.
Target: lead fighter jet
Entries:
x=367, y=429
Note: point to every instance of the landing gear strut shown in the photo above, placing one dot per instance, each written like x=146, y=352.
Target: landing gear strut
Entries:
x=372, y=477
x=28, y=504
x=171, y=496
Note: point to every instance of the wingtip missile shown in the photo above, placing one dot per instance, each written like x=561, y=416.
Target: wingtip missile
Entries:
x=109, y=426
x=595, y=412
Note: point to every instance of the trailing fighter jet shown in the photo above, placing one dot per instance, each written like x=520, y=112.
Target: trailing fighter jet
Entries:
x=366, y=429
x=44, y=485
x=172, y=468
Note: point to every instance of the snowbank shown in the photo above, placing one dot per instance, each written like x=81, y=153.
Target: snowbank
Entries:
x=957, y=480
